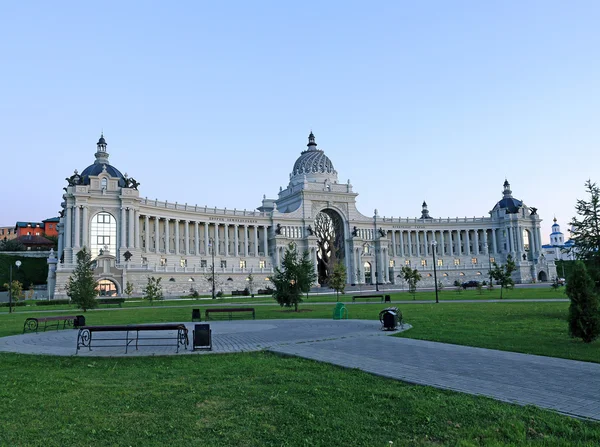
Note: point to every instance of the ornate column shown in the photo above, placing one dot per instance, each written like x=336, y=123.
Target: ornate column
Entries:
x=167, y=237
x=226, y=238
x=493, y=236
x=408, y=235
x=467, y=243
x=485, y=242
x=186, y=235
x=156, y=235
x=147, y=230
x=86, y=233
x=401, y=243
x=450, y=243
x=265, y=242
x=196, y=239
x=418, y=244
x=442, y=244
x=476, y=243
x=315, y=260
x=393, y=242
x=277, y=261
x=246, y=241
x=123, y=229
x=459, y=248
x=130, y=239
x=216, y=247
x=136, y=220
x=206, y=238
x=77, y=226
x=236, y=242
x=176, y=237
x=255, y=241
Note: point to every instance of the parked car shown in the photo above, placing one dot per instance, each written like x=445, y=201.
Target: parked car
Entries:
x=466, y=285
x=562, y=281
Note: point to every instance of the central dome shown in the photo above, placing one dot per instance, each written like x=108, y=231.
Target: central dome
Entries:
x=313, y=161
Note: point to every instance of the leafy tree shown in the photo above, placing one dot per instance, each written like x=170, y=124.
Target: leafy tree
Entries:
x=128, y=289
x=296, y=276
x=585, y=231
x=12, y=245
x=503, y=274
x=479, y=288
x=153, y=290
x=16, y=290
x=440, y=286
x=251, y=284
x=412, y=277
x=82, y=287
x=337, y=280
x=584, y=311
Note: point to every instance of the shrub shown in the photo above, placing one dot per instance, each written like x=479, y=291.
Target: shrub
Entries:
x=52, y=302
x=219, y=294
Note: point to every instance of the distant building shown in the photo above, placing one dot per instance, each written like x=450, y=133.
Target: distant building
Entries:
x=36, y=242
x=7, y=233
x=558, y=249
x=46, y=227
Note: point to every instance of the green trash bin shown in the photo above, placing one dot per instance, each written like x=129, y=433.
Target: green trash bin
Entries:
x=340, y=312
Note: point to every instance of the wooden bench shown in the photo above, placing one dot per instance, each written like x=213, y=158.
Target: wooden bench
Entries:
x=367, y=297
x=33, y=324
x=230, y=311
x=132, y=334
x=109, y=301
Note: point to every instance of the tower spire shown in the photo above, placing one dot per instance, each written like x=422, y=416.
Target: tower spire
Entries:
x=101, y=154
x=312, y=145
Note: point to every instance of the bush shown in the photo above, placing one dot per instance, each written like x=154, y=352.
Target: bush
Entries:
x=246, y=291
x=52, y=302
x=14, y=304
x=219, y=294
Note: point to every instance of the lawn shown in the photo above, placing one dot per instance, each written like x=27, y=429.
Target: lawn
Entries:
x=254, y=399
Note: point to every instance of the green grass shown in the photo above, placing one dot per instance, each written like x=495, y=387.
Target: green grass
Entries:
x=253, y=399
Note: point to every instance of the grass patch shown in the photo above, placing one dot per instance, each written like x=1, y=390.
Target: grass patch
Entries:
x=254, y=399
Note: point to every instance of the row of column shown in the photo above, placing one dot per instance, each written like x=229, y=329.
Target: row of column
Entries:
x=448, y=242
x=216, y=235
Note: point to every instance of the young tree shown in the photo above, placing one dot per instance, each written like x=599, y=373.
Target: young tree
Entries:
x=585, y=231
x=337, y=280
x=584, y=311
x=15, y=289
x=128, y=289
x=251, y=284
x=215, y=283
x=82, y=287
x=153, y=290
x=296, y=276
x=503, y=274
x=412, y=277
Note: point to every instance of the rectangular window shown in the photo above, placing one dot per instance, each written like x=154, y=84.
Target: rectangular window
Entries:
x=183, y=262
x=473, y=260
x=407, y=262
x=440, y=263
x=242, y=264
x=392, y=263
x=262, y=264
x=424, y=262
x=203, y=263
x=457, y=261
x=223, y=264
x=163, y=262
x=492, y=260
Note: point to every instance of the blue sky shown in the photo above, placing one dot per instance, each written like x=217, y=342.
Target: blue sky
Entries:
x=211, y=103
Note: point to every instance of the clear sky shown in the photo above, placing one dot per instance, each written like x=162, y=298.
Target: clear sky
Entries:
x=211, y=103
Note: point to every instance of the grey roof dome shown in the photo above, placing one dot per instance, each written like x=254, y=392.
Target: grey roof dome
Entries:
x=313, y=160
x=511, y=205
x=97, y=168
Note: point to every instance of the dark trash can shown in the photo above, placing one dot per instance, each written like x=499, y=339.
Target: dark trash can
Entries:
x=389, y=318
x=388, y=299
x=196, y=315
x=79, y=321
x=202, y=337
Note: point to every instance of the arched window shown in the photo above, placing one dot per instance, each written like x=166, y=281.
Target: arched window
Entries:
x=104, y=183
x=103, y=234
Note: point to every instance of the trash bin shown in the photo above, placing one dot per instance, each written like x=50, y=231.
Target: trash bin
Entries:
x=202, y=337
x=388, y=299
x=196, y=315
x=340, y=312
x=79, y=321
x=389, y=318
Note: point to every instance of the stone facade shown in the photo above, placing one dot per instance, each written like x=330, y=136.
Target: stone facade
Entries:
x=133, y=237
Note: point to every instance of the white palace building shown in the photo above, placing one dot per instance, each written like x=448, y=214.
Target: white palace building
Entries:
x=132, y=238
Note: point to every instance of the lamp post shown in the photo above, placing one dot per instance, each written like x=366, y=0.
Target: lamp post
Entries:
x=433, y=246
x=10, y=285
x=212, y=246
x=375, y=252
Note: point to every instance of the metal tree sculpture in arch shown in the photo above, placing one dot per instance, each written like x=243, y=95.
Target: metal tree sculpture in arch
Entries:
x=329, y=230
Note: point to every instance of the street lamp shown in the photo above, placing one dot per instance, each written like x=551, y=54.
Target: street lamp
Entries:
x=375, y=252
x=211, y=245
x=10, y=285
x=433, y=246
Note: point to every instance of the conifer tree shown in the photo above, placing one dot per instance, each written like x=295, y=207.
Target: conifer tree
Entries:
x=337, y=281
x=295, y=277
x=82, y=287
x=584, y=311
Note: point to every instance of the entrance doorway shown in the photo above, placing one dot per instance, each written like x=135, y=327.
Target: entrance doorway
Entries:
x=106, y=288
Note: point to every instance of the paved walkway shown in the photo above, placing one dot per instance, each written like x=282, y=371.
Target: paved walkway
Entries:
x=566, y=386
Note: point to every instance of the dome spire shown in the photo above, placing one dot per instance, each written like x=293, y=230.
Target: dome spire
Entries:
x=507, y=192
x=101, y=154
x=312, y=145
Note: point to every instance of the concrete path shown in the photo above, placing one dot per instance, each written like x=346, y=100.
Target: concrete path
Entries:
x=566, y=386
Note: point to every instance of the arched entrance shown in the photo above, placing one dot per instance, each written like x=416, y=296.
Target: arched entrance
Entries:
x=106, y=287
x=367, y=268
x=542, y=276
x=329, y=230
